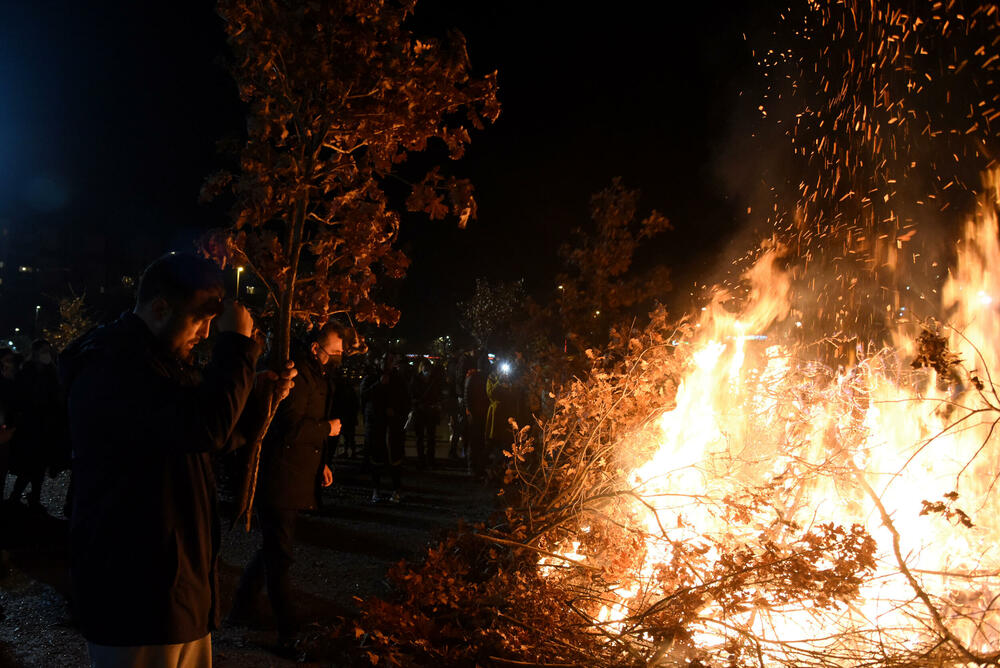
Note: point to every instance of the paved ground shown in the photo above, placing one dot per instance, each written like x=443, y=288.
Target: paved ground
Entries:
x=344, y=551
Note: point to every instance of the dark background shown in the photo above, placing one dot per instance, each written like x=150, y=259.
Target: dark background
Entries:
x=110, y=113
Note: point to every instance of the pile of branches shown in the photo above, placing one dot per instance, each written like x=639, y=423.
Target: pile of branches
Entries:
x=554, y=580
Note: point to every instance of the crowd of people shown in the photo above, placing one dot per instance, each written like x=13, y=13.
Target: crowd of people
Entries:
x=474, y=397
x=143, y=428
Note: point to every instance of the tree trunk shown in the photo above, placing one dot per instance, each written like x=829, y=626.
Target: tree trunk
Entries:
x=280, y=352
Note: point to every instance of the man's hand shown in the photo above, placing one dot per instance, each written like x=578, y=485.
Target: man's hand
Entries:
x=235, y=318
x=334, y=427
x=278, y=384
x=327, y=476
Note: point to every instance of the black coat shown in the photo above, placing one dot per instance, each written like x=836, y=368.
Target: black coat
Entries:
x=345, y=402
x=41, y=422
x=292, y=454
x=385, y=404
x=144, y=534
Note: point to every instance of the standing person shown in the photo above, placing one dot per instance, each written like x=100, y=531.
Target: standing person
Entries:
x=144, y=534
x=41, y=423
x=345, y=405
x=506, y=403
x=292, y=459
x=425, y=397
x=497, y=393
x=8, y=411
x=386, y=403
x=451, y=406
x=459, y=371
x=476, y=407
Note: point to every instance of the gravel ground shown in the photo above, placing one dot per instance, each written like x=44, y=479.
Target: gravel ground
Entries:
x=343, y=551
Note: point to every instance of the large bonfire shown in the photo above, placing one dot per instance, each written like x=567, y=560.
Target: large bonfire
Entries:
x=805, y=472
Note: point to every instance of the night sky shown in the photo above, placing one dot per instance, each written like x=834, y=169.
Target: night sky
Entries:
x=110, y=114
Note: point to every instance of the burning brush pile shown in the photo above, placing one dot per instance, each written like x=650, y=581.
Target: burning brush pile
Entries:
x=764, y=485
x=711, y=497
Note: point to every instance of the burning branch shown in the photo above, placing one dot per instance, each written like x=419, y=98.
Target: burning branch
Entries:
x=932, y=609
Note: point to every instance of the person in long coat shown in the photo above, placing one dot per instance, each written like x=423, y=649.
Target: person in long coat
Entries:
x=144, y=422
x=292, y=458
x=8, y=411
x=425, y=399
x=386, y=401
x=477, y=405
x=41, y=422
x=346, y=405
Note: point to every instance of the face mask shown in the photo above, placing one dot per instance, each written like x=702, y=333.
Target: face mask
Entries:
x=45, y=358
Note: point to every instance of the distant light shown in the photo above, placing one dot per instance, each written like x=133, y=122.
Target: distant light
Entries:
x=560, y=287
x=504, y=367
x=38, y=307
x=17, y=329
x=985, y=299
x=597, y=313
x=798, y=323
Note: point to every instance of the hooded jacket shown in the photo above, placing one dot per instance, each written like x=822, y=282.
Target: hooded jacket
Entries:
x=144, y=534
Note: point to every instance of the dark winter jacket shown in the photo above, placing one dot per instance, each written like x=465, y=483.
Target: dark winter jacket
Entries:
x=8, y=419
x=41, y=420
x=144, y=534
x=8, y=402
x=292, y=454
x=345, y=402
x=385, y=404
x=476, y=400
x=425, y=392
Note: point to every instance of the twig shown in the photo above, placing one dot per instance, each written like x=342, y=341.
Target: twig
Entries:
x=538, y=550
x=991, y=659
x=531, y=664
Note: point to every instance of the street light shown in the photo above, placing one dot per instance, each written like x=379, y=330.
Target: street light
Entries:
x=38, y=308
x=239, y=270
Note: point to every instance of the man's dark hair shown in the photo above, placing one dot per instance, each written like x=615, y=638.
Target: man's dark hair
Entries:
x=331, y=327
x=38, y=344
x=176, y=277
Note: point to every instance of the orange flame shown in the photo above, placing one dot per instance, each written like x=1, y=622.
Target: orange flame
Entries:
x=866, y=445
